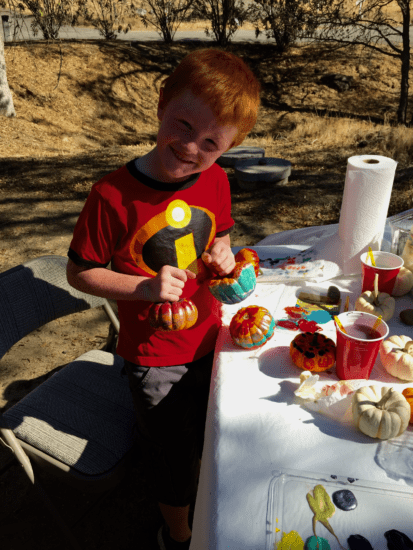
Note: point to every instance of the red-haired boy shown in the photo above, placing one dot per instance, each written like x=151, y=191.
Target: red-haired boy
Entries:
x=152, y=220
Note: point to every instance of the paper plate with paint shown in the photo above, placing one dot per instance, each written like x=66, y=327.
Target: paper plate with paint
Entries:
x=288, y=263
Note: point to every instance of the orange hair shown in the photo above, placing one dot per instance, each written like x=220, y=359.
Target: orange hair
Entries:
x=223, y=81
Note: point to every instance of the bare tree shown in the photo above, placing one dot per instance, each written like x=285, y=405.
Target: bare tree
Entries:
x=164, y=15
x=6, y=99
x=48, y=15
x=225, y=16
x=286, y=21
x=108, y=16
x=369, y=24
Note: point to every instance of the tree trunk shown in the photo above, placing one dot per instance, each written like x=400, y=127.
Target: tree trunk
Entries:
x=405, y=59
x=6, y=100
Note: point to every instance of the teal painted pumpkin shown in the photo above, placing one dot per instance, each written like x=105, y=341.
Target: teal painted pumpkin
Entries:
x=249, y=255
x=251, y=327
x=235, y=287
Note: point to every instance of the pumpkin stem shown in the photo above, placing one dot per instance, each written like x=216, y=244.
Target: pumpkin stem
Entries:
x=376, y=289
x=408, y=348
x=382, y=403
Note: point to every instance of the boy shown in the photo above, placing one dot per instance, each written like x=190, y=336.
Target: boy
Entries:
x=160, y=220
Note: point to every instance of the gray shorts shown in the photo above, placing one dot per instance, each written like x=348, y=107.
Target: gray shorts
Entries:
x=171, y=405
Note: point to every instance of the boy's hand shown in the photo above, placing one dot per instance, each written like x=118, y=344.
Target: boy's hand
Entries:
x=220, y=258
x=168, y=284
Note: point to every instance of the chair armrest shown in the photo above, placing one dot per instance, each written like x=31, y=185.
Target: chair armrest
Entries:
x=111, y=315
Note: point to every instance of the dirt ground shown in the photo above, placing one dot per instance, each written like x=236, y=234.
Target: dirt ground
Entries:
x=83, y=110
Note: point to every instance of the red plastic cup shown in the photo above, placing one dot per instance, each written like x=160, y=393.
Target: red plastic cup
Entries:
x=387, y=266
x=355, y=353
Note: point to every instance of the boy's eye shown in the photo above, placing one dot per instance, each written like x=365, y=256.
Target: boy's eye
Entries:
x=185, y=123
x=211, y=145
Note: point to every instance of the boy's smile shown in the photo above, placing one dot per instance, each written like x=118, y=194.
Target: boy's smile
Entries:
x=190, y=139
x=179, y=156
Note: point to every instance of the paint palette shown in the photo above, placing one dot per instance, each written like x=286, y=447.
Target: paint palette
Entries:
x=380, y=507
x=272, y=257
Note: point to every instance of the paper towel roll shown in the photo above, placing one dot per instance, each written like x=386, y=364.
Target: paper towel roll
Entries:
x=366, y=198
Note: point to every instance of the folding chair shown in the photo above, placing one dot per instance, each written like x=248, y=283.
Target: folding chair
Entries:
x=79, y=423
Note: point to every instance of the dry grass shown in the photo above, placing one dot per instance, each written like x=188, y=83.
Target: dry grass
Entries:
x=106, y=95
x=332, y=132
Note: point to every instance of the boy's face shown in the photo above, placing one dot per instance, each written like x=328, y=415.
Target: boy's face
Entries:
x=190, y=138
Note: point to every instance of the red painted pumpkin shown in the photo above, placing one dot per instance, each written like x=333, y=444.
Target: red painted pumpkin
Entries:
x=250, y=256
x=168, y=316
x=251, y=327
x=313, y=352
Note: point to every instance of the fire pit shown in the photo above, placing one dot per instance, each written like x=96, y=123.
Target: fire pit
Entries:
x=253, y=173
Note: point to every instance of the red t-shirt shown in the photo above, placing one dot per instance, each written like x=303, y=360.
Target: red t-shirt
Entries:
x=138, y=225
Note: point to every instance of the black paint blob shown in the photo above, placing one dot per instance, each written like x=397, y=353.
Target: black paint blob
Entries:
x=358, y=542
x=345, y=500
x=397, y=540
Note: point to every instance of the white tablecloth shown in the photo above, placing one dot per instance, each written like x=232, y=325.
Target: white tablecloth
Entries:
x=255, y=426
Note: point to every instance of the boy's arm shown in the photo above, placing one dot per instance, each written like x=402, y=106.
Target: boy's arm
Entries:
x=99, y=281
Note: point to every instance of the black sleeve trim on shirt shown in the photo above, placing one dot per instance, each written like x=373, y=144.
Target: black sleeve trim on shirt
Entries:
x=76, y=259
x=225, y=232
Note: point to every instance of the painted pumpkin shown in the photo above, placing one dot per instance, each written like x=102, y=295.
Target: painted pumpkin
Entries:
x=408, y=395
x=313, y=352
x=236, y=286
x=251, y=327
x=169, y=316
x=380, y=412
x=250, y=256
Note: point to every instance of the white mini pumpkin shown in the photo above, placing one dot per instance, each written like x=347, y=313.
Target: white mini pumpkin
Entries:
x=380, y=412
x=376, y=303
x=404, y=282
x=396, y=355
x=383, y=305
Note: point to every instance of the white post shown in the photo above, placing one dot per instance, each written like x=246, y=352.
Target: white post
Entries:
x=6, y=27
x=6, y=99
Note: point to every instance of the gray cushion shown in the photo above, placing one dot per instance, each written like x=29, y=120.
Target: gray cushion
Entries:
x=83, y=415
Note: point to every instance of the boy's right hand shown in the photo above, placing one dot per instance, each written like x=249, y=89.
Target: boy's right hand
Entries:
x=168, y=284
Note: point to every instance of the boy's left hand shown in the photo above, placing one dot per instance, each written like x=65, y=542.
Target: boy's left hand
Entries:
x=219, y=258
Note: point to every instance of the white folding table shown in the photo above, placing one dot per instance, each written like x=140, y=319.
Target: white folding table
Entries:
x=259, y=440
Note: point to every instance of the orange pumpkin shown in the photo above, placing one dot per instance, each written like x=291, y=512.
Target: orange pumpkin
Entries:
x=251, y=327
x=168, y=316
x=313, y=352
x=250, y=256
x=408, y=394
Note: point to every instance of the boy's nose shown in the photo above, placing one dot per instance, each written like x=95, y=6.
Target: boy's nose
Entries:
x=190, y=146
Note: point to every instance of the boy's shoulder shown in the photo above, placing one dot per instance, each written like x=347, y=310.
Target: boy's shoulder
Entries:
x=116, y=177
x=120, y=181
